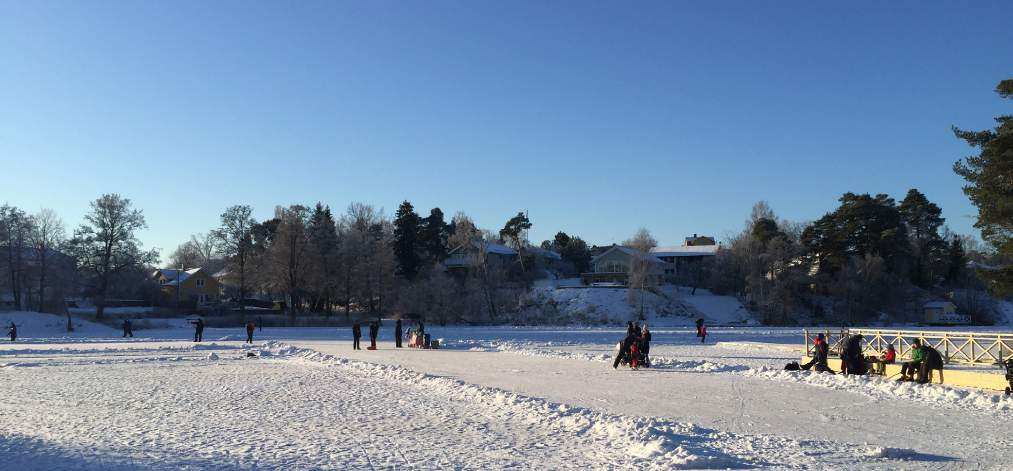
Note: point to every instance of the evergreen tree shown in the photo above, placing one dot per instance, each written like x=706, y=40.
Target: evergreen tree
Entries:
x=323, y=235
x=577, y=253
x=956, y=261
x=862, y=225
x=434, y=235
x=765, y=230
x=990, y=188
x=922, y=220
x=514, y=233
x=406, y=240
x=560, y=242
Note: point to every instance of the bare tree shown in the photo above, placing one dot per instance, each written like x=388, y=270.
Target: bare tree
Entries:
x=15, y=227
x=288, y=253
x=48, y=234
x=106, y=244
x=235, y=239
x=642, y=266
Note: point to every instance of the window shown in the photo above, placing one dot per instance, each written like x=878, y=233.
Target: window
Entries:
x=203, y=298
x=200, y=283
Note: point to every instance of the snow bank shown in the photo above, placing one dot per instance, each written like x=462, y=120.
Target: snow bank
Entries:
x=42, y=325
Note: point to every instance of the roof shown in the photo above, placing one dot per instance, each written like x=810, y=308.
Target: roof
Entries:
x=632, y=252
x=938, y=304
x=490, y=247
x=176, y=276
x=546, y=253
x=685, y=251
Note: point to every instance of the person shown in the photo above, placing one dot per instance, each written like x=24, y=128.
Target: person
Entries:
x=820, y=352
x=887, y=358
x=931, y=360
x=645, y=346
x=198, y=332
x=634, y=355
x=623, y=356
x=13, y=331
x=852, y=360
x=374, y=329
x=260, y=323
x=629, y=328
x=909, y=368
x=636, y=329
x=701, y=330
x=356, y=335
x=422, y=329
x=128, y=329
x=249, y=331
x=397, y=334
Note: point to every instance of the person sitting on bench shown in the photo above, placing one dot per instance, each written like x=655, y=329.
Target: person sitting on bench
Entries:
x=931, y=360
x=820, y=352
x=887, y=358
x=909, y=368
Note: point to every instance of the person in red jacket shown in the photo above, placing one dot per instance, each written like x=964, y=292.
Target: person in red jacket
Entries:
x=249, y=331
x=888, y=357
x=634, y=355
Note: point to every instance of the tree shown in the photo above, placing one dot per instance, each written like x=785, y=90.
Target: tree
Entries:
x=406, y=240
x=765, y=229
x=956, y=260
x=577, y=253
x=186, y=256
x=463, y=231
x=323, y=235
x=287, y=254
x=15, y=228
x=47, y=236
x=515, y=233
x=990, y=189
x=435, y=236
x=235, y=240
x=641, y=267
x=862, y=225
x=922, y=220
x=106, y=243
x=560, y=241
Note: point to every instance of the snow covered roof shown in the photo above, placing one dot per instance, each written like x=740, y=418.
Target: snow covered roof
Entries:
x=546, y=253
x=685, y=251
x=632, y=252
x=490, y=247
x=174, y=276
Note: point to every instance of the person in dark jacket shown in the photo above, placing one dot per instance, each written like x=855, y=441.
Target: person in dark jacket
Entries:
x=249, y=331
x=397, y=334
x=852, y=358
x=629, y=329
x=623, y=356
x=931, y=360
x=701, y=330
x=820, y=352
x=636, y=329
x=356, y=335
x=13, y=331
x=374, y=329
x=645, y=346
x=198, y=329
x=128, y=329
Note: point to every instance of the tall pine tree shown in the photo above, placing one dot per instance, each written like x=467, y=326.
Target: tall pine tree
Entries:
x=990, y=188
x=406, y=240
x=433, y=236
x=923, y=219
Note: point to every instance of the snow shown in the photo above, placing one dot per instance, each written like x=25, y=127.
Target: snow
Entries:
x=685, y=251
x=34, y=324
x=492, y=398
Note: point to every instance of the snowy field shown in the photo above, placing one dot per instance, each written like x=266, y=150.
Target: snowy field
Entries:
x=495, y=398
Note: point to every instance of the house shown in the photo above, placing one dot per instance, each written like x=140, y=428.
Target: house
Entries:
x=460, y=257
x=195, y=285
x=944, y=313
x=686, y=263
x=615, y=265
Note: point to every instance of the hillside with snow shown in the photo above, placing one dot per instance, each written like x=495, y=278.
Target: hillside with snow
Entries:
x=42, y=325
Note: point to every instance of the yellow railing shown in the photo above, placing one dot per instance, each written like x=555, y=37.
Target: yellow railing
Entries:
x=959, y=347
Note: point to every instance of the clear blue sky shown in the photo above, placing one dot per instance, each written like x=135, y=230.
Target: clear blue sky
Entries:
x=597, y=117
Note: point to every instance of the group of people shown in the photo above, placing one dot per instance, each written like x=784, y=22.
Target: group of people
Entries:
x=635, y=348
x=924, y=359
x=374, y=331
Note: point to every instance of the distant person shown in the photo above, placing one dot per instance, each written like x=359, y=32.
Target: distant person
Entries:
x=910, y=368
x=645, y=346
x=634, y=355
x=12, y=330
x=701, y=330
x=629, y=329
x=623, y=356
x=128, y=328
x=198, y=330
x=422, y=328
x=260, y=323
x=374, y=329
x=821, y=351
x=636, y=329
x=887, y=358
x=356, y=335
x=397, y=334
x=852, y=360
x=249, y=331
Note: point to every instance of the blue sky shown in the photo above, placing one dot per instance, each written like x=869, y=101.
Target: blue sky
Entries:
x=596, y=117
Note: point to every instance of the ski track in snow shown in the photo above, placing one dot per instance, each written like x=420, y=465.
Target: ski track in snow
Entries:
x=212, y=407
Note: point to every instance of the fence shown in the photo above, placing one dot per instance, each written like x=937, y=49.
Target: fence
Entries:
x=959, y=347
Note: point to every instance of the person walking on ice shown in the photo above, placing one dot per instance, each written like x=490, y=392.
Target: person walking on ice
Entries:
x=397, y=334
x=249, y=331
x=374, y=329
x=356, y=335
x=701, y=330
x=13, y=331
x=128, y=329
x=198, y=329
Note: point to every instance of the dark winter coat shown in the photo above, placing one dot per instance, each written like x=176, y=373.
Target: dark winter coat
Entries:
x=645, y=342
x=933, y=360
x=356, y=330
x=373, y=330
x=198, y=325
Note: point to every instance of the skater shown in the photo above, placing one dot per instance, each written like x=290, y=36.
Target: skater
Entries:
x=198, y=331
x=13, y=331
x=397, y=334
x=374, y=329
x=645, y=346
x=249, y=331
x=701, y=330
x=356, y=335
x=820, y=352
x=128, y=329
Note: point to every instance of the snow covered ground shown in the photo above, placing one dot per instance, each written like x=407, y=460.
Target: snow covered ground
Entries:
x=495, y=398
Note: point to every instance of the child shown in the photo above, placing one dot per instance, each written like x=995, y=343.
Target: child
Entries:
x=634, y=355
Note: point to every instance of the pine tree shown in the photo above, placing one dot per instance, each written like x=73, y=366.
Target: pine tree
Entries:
x=406, y=240
x=560, y=241
x=990, y=188
x=514, y=234
x=323, y=236
x=923, y=219
x=433, y=236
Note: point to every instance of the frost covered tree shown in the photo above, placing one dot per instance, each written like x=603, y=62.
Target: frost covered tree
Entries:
x=288, y=254
x=106, y=244
x=15, y=230
x=235, y=241
x=990, y=188
x=641, y=266
x=47, y=236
